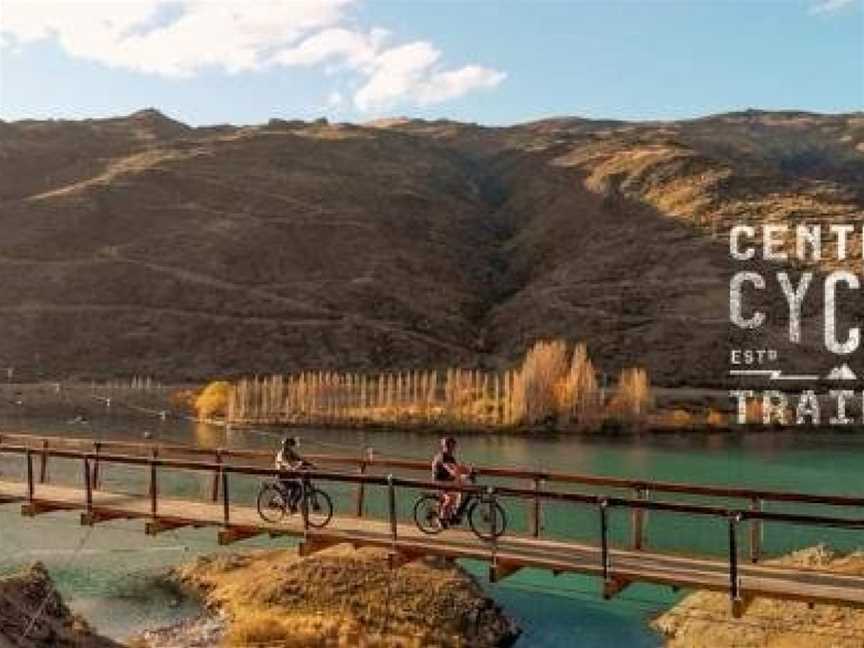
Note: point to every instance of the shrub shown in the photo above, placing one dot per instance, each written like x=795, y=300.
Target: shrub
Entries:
x=680, y=418
x=716, y=419
x=213, y=400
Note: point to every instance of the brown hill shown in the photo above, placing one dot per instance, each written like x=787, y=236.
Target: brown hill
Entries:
x=140, y=245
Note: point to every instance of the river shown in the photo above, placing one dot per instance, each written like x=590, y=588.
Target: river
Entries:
x=110, y=575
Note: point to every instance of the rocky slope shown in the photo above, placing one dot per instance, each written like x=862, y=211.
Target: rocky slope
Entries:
x=140, y=245
x=33, y=615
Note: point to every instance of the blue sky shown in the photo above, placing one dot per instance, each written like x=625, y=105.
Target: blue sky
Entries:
x=207, y=61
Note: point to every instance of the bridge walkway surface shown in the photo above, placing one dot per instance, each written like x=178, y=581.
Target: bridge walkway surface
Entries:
x=614, y=566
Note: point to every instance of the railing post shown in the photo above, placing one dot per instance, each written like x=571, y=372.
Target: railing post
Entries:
x=493, y=521
x=154, y=488
x=391, y=505
x=604, y=537
x=534, y=518
x=304, y=503
x=755, y=531
x=43, y=463
x=216, y=477
x=361, y=490
x=30, y=488
x=225, y=501
x=637, y=517
x=734, y=589
x=88, y=486
x=97, y=447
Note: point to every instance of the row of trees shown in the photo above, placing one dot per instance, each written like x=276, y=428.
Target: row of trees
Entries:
x=135, y=383
x=555, y=384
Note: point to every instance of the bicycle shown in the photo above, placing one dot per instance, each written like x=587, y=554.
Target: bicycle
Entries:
x=486, y=517
x=275, y=502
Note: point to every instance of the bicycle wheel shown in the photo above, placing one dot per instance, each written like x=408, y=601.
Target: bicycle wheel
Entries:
x=320, y=508
x=271, y=504
x=426, y=514
x=480, y=519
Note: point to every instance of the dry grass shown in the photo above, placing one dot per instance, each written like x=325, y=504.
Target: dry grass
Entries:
x=703, y=619
x=341, y=597
x=266, y=627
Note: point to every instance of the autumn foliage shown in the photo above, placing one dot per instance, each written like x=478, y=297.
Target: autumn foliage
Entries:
x=555, y=384
x=213, y=400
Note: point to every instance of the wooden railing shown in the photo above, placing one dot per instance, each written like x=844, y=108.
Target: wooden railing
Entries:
x=603, y=503
x=368, y=463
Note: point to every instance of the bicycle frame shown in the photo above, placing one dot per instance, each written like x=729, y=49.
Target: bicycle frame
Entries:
x=463, y=506
x=467, y=500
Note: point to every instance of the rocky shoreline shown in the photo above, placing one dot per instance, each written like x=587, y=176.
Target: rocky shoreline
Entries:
x=204, y=631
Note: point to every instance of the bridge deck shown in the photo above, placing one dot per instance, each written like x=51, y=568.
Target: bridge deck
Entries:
x=510, y=552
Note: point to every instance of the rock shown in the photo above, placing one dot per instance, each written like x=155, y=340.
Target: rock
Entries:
x=33, y=615
x=201, y=632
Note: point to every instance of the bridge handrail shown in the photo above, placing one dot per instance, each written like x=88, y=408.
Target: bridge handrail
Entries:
x=43, y=442
x=500, y=491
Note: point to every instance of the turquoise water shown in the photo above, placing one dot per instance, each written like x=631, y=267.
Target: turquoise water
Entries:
x=111, y=574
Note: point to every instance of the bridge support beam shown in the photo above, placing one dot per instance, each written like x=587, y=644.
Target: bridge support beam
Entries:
x=613, y=586
x=397, y=559
x=32, y=509
x=230, y=535
x=279, y=533
x=314, y=545
x=500, y=569
x=740, y=605
x=155, y=527
x=95, y=517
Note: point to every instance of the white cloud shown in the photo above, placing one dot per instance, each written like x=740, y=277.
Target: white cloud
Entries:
x=394, y=73
x=355, y=48
x=235, y=36
x=829, y=6
x=335, y=99
x=412, y=71
x=179, y=39
x=455, y=83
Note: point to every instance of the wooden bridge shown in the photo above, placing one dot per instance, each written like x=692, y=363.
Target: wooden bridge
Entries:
x=615, y=565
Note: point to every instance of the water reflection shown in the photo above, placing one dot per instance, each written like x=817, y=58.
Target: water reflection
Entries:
x=207, y=436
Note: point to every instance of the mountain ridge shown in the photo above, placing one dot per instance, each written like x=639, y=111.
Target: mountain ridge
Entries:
x=142, y=245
